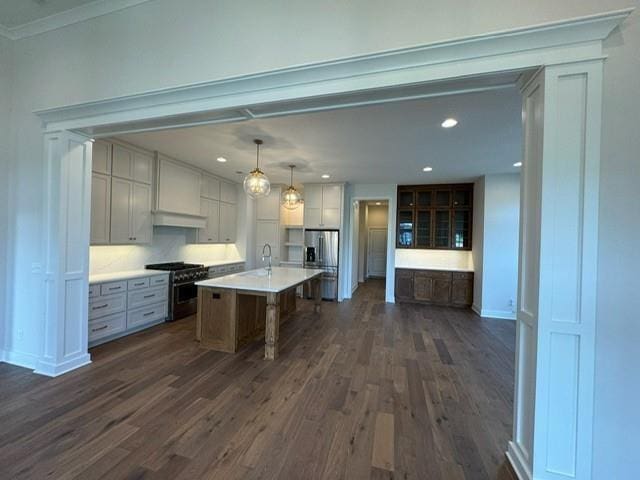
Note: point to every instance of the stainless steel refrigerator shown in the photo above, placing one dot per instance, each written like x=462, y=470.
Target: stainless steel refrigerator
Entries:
x=322, y=250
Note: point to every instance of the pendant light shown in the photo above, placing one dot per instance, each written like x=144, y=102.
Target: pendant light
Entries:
x=256, y=183
x=291, y=198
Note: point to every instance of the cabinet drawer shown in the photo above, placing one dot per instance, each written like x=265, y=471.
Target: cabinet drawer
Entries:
x=113, y=287
x=462, y=275
x=434, y=274
x=152, y=313
x=101, y=306
x=94, y=291
x=147, y=297
x=137, y=283
x=159, y=280
x=106, y=326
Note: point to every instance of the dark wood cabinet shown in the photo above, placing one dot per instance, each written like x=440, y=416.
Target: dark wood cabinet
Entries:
x=437, y=287
x=435, y=216
x=404, y=284
x=462, y=289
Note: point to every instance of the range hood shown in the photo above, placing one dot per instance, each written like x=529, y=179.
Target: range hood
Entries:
x=172, y=219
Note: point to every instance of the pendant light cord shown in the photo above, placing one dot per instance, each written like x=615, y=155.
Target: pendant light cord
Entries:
x=257, y=155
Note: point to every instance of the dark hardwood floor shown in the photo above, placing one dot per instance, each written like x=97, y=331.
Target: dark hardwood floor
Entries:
x=367, y=390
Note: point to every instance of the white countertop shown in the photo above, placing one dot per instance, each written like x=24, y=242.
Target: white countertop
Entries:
x=128, y=275
x=220, y=263
x=440, y=269
x=280, y=280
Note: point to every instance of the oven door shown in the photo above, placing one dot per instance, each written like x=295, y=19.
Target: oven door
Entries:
x=185, y=300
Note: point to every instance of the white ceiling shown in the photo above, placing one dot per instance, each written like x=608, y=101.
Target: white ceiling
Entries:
x=14, y=13
x=386, y=143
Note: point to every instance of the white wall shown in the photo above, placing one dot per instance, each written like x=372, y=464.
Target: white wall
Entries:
x=166, y=43
x=5, y=138
x=617, y=418
x=498, y=245
x=477, y=241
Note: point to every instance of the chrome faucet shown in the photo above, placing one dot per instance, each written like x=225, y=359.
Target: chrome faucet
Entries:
x=268, y=268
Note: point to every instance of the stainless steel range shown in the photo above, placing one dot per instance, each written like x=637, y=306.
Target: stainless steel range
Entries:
x=183, y=294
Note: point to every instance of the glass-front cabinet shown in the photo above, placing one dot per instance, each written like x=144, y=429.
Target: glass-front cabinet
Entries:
x=405, y=228
x=435, y=216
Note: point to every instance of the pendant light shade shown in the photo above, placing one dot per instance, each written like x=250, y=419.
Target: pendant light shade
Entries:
x=256, y=183
x=291, y=198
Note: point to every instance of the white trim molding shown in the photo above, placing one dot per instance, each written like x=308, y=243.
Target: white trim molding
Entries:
x=227, y=99
x=498, y=314
x=65, y=18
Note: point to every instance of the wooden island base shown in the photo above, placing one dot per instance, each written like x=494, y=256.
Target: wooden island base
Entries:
x=229, y=319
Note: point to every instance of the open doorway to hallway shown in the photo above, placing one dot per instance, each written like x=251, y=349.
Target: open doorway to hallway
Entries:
x=373, y=224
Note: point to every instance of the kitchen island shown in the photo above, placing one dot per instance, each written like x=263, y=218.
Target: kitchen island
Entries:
x=236, y=309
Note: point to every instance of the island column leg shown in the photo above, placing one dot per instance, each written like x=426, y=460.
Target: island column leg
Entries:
x=317, y=294
x=272, y=329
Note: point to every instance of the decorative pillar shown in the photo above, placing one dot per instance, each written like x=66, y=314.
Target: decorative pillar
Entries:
x=557, y=276
x=67, y=208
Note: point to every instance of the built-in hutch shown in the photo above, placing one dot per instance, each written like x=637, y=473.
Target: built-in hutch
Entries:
x=435, y=216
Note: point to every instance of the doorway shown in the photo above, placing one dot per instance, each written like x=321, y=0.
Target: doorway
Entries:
x=373, y=226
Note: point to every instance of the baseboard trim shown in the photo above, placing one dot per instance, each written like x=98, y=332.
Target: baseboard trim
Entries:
x=514, y=455
x=19, y=359
x=55, y=369
x=497, y=314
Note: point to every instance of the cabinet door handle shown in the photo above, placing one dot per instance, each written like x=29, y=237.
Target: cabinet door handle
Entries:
x=104, y=327
x=100, y=306
x=114, y=288
x=149, y=313
x=150, y=296
x=138, y=284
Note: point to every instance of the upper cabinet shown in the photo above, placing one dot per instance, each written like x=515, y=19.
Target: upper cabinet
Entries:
x=435, y=216
x=131, y=164
x=323, y=205
x=209, y=187
x=101, y=157
x=268, y=208
x=100, y=208
x=228, y=222
x=130, y=212
x=228, y=192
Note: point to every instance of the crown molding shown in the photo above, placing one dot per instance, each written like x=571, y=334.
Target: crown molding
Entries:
x=578, y=39
x=67, y=17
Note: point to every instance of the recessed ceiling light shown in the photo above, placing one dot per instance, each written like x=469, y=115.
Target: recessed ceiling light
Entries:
x=449, y=123
x=427, y=169
x=517, y=164
x=326, y=175
x=221, y=159
x=378, y=203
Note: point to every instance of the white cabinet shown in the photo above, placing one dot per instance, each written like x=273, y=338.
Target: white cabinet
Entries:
x=124, y=306
x=101, y=154
x=130, y=212
x=268, y=208
x=211, y=210
x=210, y=187
x=228, y=192
x=228, y=222
x=178, y=188
x=100, y=208
x=323, y=205
x=131, y=164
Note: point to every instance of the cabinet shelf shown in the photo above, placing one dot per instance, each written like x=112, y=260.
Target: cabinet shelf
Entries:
x=294, y=244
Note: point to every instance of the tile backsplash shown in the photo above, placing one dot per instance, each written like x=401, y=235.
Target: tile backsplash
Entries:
x=169, y=245
x=413, y=258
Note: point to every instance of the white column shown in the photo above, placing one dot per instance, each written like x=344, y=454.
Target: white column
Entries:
x=67, y=207
x=556, y=304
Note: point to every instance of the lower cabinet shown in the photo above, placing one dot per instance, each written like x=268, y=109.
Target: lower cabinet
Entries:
x=122, y=307
x=437, y=287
